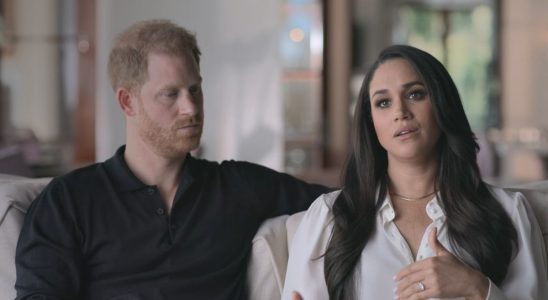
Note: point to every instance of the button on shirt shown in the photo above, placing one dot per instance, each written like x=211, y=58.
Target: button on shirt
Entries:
x=391, y=232
x=101, y=233
x=387, y=252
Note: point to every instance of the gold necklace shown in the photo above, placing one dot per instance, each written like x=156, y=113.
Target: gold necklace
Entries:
x=412, y=199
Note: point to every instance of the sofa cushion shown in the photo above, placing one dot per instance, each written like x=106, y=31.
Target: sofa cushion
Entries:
x=268, y=261
x=16, y=194
x=269, y=255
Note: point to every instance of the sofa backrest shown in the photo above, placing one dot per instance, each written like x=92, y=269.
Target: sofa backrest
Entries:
x=537, y=196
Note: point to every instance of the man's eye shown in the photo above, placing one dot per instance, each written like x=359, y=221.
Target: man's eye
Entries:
x=171, y=94
x=195, y=90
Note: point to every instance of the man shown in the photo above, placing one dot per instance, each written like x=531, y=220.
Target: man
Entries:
x=152, y=222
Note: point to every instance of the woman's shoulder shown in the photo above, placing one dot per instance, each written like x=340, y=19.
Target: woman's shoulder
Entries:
x=324, y=203
x=511, y=199
x=318, y=216
x=314, y=230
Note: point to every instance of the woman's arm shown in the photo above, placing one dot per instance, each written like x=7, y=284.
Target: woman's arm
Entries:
x=527, y=273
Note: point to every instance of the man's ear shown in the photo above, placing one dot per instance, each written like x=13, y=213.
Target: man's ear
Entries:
x=127, y=101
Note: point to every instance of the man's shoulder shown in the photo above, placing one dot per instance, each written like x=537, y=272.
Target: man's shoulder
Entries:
x=81, y=174
x=242, y=164
x=67, y=191
x=81, y=179
x=231, y=166
x=225, y=163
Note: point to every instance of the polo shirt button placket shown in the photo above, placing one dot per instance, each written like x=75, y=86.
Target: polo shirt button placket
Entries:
x=160, y=211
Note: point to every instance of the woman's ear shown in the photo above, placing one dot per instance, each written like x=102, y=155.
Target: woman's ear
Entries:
x=127, y=101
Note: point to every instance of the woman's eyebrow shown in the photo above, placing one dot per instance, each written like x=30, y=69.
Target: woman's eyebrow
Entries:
x=412, y=83
x=383, y=91
x=405, y=86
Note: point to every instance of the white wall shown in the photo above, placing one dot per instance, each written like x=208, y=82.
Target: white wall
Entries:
x=240, y=67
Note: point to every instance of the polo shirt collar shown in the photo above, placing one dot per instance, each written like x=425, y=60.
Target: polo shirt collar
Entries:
x=124, y=179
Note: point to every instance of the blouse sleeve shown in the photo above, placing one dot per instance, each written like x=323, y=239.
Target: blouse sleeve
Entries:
x=527, y=273
x=305, y=266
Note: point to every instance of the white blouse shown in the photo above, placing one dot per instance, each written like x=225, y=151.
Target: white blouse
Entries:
x=387, y=252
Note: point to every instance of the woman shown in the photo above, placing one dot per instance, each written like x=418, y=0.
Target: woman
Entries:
x=414, y=220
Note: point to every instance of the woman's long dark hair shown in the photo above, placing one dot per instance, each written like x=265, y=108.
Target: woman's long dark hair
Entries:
x=476, y=222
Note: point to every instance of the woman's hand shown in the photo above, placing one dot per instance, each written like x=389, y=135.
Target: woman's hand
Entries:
x=296, y=296
x=441, y=276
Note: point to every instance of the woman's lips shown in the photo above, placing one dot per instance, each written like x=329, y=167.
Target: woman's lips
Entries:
x=403, y=132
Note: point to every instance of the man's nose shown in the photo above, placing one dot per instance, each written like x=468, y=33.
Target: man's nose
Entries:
x=188, y=104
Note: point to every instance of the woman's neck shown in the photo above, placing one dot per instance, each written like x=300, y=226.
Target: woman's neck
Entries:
x=412, y=180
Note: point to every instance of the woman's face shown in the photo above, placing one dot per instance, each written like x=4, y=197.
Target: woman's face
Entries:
x=402, y=112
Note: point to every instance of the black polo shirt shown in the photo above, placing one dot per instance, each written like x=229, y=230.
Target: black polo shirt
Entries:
x=100, y=233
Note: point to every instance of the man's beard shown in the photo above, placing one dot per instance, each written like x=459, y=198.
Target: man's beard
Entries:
x=165, y=141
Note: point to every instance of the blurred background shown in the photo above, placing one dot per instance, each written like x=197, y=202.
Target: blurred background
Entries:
x=280, y=77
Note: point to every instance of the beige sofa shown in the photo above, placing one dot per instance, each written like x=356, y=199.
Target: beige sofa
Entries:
x=267, y=266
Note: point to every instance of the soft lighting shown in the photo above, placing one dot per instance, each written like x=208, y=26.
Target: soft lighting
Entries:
x=296, y=35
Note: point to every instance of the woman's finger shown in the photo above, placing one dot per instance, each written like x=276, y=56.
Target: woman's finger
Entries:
x=296, y=296
x=417, y=290
x=438, y=248
x=410, y=282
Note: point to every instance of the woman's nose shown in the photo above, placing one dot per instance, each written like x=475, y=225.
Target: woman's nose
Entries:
x=401, y=111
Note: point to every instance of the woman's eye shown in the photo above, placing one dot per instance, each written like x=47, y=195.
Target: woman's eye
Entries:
x=383, y=103
x=417, y=95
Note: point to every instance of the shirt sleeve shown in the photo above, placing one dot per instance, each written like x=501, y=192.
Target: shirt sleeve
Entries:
x=48, y=256
x=305, y=265
x=527, y=274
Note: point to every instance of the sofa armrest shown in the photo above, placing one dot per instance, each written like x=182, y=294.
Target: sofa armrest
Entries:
x=16, y=194
x=9, y=234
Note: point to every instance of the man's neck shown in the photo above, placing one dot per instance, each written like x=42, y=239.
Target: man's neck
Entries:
x=153, y=169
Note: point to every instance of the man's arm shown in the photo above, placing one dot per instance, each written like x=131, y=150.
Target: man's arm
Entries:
x=278, y=193
x=48, y=256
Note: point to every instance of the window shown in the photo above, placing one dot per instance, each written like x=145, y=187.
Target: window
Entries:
x=463, y=35
x=301, y=48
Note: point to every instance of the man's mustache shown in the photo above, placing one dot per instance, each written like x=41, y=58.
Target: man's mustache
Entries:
x=187, y=122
